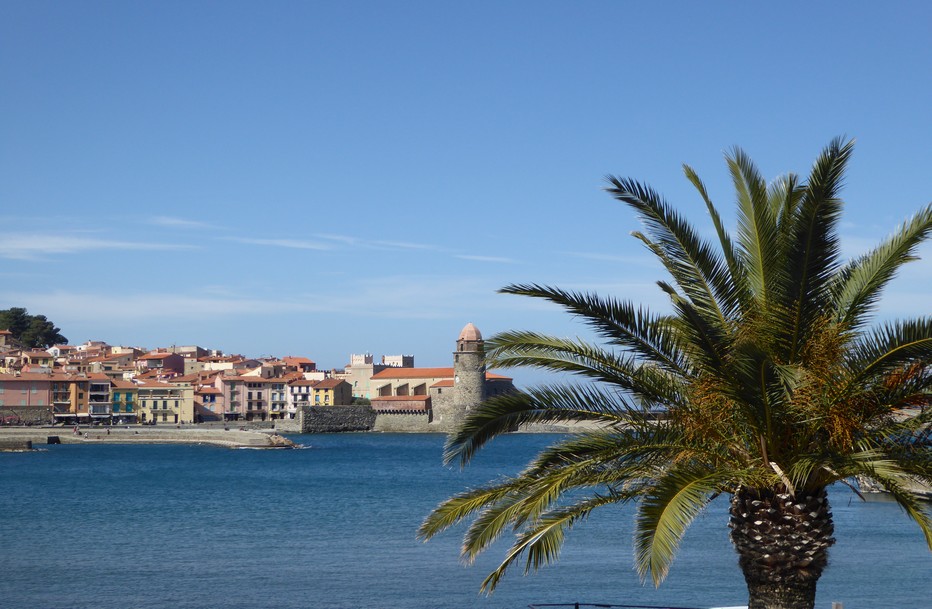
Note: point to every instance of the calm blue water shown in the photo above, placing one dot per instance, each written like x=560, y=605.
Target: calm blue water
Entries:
x=333, y=526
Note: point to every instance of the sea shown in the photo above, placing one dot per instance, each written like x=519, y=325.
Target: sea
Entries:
x=334, y=524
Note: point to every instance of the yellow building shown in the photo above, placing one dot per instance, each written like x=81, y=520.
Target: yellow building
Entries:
x=163, y=403
x=331, y=392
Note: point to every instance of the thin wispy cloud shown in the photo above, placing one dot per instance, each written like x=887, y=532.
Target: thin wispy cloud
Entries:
x=384, y=297
x=375, y=244
x=37, y=246
x=491, y=259
x=402, y=245
x=173, y=222
x=297, y=244
x=90, y=306
x=344, y=239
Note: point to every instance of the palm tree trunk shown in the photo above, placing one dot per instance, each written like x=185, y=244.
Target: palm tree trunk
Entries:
x=765, y=595
x=782, y=542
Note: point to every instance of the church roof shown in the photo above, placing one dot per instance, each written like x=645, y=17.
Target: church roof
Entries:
x=470, y=332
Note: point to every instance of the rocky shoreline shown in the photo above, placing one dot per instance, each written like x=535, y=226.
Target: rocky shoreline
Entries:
x=17, y=438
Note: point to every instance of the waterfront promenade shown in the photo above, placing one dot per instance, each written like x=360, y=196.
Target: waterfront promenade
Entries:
x=13, y=437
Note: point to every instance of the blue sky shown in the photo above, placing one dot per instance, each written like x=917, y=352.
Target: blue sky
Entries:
x=327, y=178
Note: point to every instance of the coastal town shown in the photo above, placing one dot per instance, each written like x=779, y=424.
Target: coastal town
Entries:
x=98, y=384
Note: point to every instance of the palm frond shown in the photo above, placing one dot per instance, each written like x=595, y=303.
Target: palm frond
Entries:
x=730, y=301
x=812, y=262
x=697, y=269
x=706, y=341
x=463, y=505
x=757, y=226
x=665, y=513
x=888, y=348
x=543, y=540
x=505, y=413
x=618, y=322
x=859, y=284
x=895, y=483
x=649, y=384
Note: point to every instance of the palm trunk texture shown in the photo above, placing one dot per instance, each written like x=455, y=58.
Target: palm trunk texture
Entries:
x=782, y=542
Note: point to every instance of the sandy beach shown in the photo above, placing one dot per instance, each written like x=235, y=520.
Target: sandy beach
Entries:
x=15, y=437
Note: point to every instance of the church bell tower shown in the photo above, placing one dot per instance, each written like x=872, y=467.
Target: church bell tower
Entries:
x=468, y=370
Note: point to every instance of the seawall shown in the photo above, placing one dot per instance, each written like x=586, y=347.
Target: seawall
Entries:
x=143, y=434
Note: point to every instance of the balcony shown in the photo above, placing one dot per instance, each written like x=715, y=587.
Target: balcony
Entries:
x=100, y=410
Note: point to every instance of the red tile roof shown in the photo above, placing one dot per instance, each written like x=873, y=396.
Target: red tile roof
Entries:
x=157, y=355
x=401, y=398
x=297, y=360
x=329, y=384
x=159, y=384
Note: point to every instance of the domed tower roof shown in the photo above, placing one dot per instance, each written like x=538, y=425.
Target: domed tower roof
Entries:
x=470, y=333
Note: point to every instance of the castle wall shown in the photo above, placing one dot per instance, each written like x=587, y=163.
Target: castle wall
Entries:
x=446, y=415
x=330, y=419
x=409, y=422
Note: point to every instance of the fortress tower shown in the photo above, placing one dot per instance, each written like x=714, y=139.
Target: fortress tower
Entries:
x=468, y=370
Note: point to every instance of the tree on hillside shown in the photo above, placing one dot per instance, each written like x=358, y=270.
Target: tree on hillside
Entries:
x=772, y=382
x=31, y=331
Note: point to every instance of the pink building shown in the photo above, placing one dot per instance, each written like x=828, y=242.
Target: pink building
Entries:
x=168, y=363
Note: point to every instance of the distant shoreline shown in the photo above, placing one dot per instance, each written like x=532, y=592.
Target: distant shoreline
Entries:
x=15, y=437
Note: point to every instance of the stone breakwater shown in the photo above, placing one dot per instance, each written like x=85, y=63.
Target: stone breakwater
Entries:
x=15, y=438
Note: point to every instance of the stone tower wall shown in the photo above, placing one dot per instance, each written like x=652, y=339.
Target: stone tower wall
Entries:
x=469, y=376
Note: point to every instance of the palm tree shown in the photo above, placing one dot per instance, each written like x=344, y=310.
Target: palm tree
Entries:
x=766, y=383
